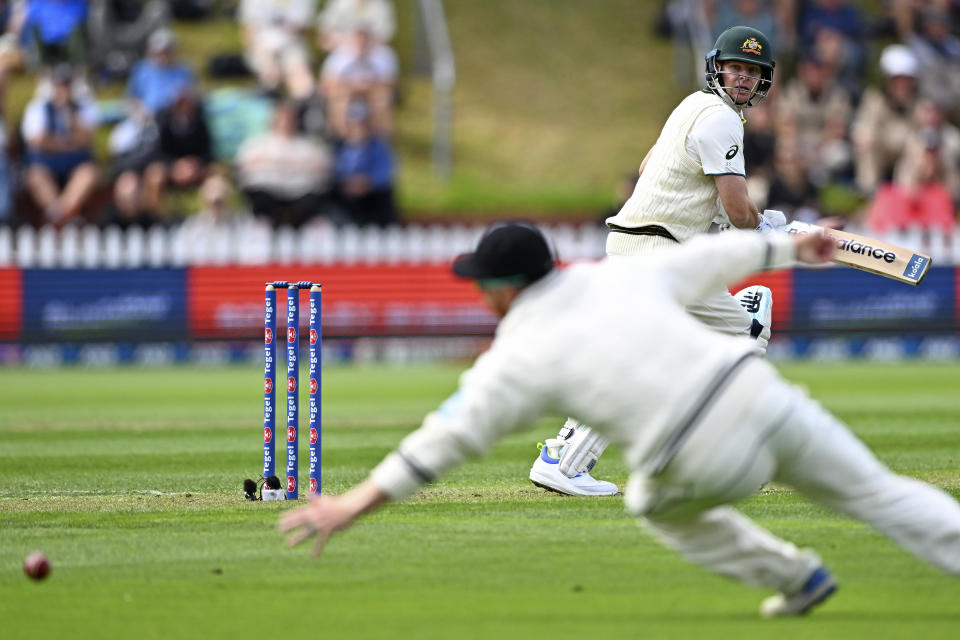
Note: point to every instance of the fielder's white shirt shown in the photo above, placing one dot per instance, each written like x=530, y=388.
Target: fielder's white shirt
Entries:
x=701, y=139
x=609, y=342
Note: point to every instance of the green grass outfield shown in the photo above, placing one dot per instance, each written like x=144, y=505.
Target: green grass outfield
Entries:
x=129, y=480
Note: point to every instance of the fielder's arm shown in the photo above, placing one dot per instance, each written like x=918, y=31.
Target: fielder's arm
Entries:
x=709, y=262
x=325, y=514
x=495, y=397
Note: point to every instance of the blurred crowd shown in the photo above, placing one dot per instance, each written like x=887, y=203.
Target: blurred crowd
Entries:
x=325, y=70
x=862, y=119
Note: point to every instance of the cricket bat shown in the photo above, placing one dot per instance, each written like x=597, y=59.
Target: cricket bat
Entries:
x=882, y=258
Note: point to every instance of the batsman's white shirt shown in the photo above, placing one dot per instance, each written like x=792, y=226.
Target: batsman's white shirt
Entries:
x=701, y=139
x=609, y=342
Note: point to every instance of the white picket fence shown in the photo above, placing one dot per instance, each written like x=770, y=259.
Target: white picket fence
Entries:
x=91, y=247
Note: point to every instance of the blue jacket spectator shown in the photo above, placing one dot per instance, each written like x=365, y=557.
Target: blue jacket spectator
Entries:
x=363, y=172
x=58, y=131
x=370, y=158
x=156, y=81
x=834, y=31
x=53, y=20
x=839, y=15
x=48, y=32
x=6, y=175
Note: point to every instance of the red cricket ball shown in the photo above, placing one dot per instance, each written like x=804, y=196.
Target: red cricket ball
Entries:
x=36, y=566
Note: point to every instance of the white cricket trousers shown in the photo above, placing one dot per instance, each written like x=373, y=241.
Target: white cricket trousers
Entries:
x=758, y=429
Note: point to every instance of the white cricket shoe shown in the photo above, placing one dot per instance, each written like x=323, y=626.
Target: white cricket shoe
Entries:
x=546, y=473
x=758, y=302
x=817, y=588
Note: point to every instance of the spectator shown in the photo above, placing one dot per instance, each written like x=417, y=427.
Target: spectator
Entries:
x=126, y=210
x=839, y=15
x=134, y=144
x=215, y=195
x=759, y=142
x=834, y=30
x=193, y=9
x=924, y=203
x=275, y=48
x=839, y=61
x=340, y=18
x=835, y=160
x=360, y=70
x=791, y=190
x=818, y=110
x=813, y=98
x=58, y=131
x=156, y=81
x=364, y=171
x=883, y=121
x=185, y=149
x=6, y=172
x=758, y=14
x=45, y=32
x=932, y=133
x=6, y=177
x=926, y=182
x=906, y=14
x=207, y=235
x=6, y=10
x=938, y=59
x=118, y=30
x=284, y=174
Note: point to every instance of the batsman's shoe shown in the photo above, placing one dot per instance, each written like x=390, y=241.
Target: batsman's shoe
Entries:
x=546, y=474
x=817, y=588
x=758, y=302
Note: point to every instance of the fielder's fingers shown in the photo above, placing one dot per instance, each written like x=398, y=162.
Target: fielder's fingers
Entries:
x=286, y=522
x=293, y=519
x=319, y=544
x=299, y=536
x=832, y=222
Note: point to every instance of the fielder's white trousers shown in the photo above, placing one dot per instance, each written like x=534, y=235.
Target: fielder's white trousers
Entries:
x=759, y=429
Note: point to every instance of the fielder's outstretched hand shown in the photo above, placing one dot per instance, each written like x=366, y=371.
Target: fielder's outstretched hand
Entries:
x=325, y=515
x=814, y=248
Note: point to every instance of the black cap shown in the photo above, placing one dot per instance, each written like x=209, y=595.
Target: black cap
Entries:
x=514, y=251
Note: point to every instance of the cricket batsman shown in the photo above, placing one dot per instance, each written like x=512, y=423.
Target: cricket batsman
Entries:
x=692, y=448
x=693, y=176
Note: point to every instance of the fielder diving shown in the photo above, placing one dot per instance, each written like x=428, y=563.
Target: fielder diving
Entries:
x=691, y=450
x=692, y=177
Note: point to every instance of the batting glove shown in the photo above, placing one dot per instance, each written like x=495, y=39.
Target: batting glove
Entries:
x=771, y=220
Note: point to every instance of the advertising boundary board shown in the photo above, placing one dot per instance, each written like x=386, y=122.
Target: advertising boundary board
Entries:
x=849, y=301
x=11, y=304
x=64, y=305
x=226, y=303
